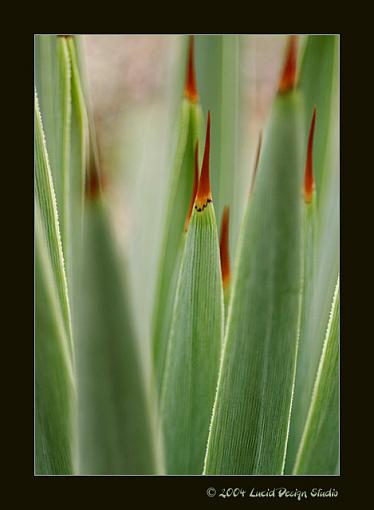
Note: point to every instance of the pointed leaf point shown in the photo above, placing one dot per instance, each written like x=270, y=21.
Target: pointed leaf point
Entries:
x=308, y=177
x=288, y=76
x=204, y=195
x=190, y=88
x=224, y=248
x=194, y=187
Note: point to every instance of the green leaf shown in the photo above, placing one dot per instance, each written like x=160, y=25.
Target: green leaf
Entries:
x=252, y=407
x=77, y=173
x=53, y=77
x=319, y=448
x=180, y=190
x=115, y=428
x=54, y=383
x=54, y=380
x=194, y=348
x=49, y=217
x=320, y=89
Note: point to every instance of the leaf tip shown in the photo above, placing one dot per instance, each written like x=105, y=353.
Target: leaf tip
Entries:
x=194, y=187
x=308, y=176
x=224, y=248
x=288, y=77
x=94, y=184
x=204, y=195
x=190, y=88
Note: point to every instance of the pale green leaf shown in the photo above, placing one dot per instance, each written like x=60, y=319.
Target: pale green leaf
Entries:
x=115, y=427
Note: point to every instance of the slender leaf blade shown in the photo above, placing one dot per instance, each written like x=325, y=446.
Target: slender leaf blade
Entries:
x=54, y=378
x=319, y=448
x=194, y=348
x=48, y=209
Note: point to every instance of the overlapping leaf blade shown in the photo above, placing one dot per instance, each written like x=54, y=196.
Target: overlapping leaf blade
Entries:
x=46, y=200
x=319, y=89
x=54, y=380
x=54, y=366
x=252, y=406
x=190, y=123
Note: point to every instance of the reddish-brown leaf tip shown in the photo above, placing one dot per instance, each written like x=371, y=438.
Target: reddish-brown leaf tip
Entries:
x=308, y=176
x=95, y=183
x=194, y=187
x=190, y=88
x=288, y=76
x=224, y=248
x=203, y=195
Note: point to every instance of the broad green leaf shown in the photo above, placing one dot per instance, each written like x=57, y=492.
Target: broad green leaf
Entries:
x=319, y=89
x=115, y=428
x=252, y=407
x=46, y=200
x=194, y=348
x=54, y=378
x=319, y=448
x=179, y=197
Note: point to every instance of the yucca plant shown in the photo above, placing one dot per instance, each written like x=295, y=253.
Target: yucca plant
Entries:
x=218, y=371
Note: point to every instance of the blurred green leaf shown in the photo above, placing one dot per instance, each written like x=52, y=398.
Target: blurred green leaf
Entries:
x=252, y=407
x=115, y=428
x=194, y=348
x=217, y=62
x=319, y=448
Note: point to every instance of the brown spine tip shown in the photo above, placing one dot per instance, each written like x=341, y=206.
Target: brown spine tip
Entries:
x=224, y=249
x=194, y=187
x=190, y=88
x=288, y=76
x=203, y=195
x=308, y=177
